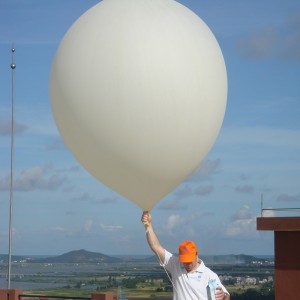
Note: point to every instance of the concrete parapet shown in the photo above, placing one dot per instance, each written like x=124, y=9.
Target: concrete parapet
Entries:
x=102, y=296
x=10, y=294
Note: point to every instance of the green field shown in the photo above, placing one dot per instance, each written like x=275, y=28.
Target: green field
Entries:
x=135, y=281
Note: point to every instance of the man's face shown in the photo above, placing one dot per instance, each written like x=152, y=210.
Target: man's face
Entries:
x=190, y=266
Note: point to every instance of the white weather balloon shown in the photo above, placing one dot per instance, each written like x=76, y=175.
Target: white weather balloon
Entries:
x=138, y=92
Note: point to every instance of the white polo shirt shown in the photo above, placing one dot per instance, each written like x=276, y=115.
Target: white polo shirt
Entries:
x=192, y=285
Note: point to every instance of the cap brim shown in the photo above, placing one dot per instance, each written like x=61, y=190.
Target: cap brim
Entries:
x=186, y=258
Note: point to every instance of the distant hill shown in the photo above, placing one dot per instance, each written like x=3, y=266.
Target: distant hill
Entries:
x=77, y=256
x=231, y=259
x=84, y=256
x=228, y=259
x=80, y=256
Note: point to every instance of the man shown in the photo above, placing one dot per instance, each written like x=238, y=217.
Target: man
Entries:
x=191, y=279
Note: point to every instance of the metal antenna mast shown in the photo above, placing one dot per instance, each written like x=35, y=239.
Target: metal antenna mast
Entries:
x=13, y=66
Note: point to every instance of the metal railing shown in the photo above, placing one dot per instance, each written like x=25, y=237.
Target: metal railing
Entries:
x=286, y=209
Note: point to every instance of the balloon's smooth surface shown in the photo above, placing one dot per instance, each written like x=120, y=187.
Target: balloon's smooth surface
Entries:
x=138, y=92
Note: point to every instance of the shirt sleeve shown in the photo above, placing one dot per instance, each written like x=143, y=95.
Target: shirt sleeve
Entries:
x=168, y=255
x=170, y=261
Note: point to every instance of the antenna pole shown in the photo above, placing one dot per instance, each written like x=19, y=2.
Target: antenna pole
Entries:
x=13, y=66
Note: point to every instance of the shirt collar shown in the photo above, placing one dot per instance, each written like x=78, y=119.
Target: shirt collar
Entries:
x=201, y=267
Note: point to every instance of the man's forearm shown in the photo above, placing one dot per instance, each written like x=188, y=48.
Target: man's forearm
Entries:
x=152, y=238
x=154, y=243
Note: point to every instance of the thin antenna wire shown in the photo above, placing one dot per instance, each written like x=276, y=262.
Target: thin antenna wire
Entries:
x=13, y=66
x=261, y=204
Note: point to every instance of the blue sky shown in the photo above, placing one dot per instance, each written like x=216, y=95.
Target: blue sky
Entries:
x=59, y=207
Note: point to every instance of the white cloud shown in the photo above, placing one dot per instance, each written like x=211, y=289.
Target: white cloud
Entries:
x=205, y=170
x=57, y=144
x=173, y=221
x=106, y=200
x=83, y=197
x=246, y=189
x=86, y=229
x=178, y=225
x=242, y=225
x=173, y=205
x=242, y=213
x=289, y=198
x=187, y=191
x=273, y=42
x=5, y=127
x=65, y=231
x=91, y=198
x=259, y=44
x=184, y=192
x=204, y=190
x=110, y=228
x=88, y=226
x=34, y=178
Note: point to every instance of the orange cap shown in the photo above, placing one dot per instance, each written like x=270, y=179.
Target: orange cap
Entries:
x=187, y=252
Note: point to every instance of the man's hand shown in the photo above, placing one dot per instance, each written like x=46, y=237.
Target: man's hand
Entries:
x=220, y=294
x=146, y=218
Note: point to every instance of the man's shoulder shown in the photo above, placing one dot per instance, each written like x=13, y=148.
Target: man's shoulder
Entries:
x=204, y=268
x=206, y=272
x=170, y=255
